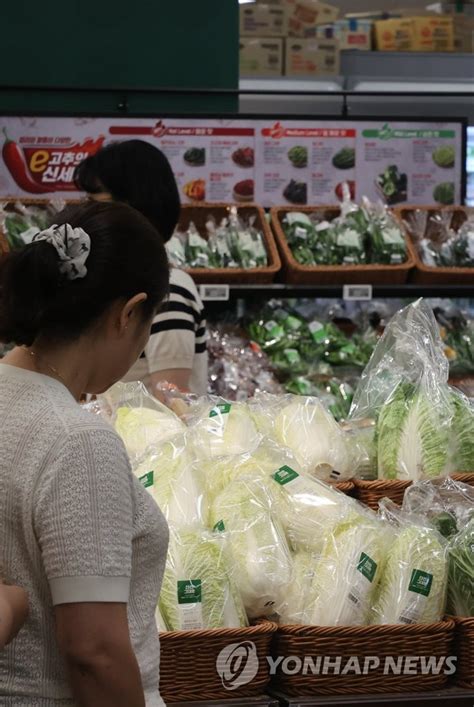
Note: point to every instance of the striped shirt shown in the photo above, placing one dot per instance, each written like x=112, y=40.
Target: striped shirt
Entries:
x=178, y=336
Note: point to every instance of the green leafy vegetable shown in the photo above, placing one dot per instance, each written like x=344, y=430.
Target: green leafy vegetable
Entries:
x=142, y=427
x=444, y=193
x=198, y=589
x=412, y=438
x=461, y=573
x=412, y=588
x=445, y=156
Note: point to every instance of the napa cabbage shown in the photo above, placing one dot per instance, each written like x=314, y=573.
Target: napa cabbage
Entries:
x=413, y=585
x=318, y=442
x=168, y=473
x=462, y=434
x=337, y=587
x=198, y=589
x=259, y=548
x=412, y=436
x=225, y=429
x=307, y=508
x=461, y=572
x=143, y=427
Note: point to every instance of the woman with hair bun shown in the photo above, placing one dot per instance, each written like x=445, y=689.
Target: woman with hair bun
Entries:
x=78, y=531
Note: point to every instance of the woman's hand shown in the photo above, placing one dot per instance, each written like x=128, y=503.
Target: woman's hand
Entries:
x=95, y=642
x=13, y=612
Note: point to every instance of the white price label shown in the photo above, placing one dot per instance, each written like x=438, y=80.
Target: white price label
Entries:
x=357, y=292
x=216, y=293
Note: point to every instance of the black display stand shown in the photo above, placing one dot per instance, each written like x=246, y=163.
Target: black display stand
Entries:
x=452, y=696
x=264, y=701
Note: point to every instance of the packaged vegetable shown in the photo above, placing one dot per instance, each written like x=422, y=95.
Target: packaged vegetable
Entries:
x=198, y=590
x=221, y=428
x=259, y=548
x=413, y=584
x=461, y=572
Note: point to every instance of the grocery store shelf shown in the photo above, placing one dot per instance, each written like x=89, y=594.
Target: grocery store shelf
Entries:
x=336, y=292
x=452, y=696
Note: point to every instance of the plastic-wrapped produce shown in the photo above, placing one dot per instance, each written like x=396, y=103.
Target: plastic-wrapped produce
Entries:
x=442, y=240
x=307, y=508
x=259, y=548
x=140, y=420
x=461, y=572
x=221, y=428
x=167, y=472
x=447, y=504
x=413, y=585
x=337, y=587
x=198, y=588
x=405, y=389
x=303, y=425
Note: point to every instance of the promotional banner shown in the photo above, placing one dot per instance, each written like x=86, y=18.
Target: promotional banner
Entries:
x=270, y=161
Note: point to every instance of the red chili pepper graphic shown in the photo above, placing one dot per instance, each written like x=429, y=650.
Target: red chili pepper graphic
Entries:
x=15, y=161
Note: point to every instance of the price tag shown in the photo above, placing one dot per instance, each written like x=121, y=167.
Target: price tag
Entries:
x=214, y=293
x=361, y=293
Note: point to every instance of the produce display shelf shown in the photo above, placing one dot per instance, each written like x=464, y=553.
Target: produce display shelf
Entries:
x=264, y=701
x=451, y=696
x=390, y=291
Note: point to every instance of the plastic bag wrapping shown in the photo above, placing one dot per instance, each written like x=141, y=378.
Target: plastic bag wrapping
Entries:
x=413, y=584
x=198, y=590
x=140, y=419
x=307, y=508
x=168, y=473
x=217, y=473
x=337, y=586
x=20, y=222
x=442, y=240
x=238, y=368
x=221, y=428
x=257, y=541
x=405, y=389
x=461, y=572
x=302, y=424
x=447, y=504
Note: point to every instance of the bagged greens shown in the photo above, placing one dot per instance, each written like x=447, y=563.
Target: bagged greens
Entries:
x=259, y=549
x=222, y=429
x=461, y=572
x=336, y=588
x=168, y=473
x=413, y=584
x=404, y=388
x=198, y=589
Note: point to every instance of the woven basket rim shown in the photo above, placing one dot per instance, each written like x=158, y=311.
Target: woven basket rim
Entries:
x=371, y=631
x=381, y=484
x=420, y=265
x=275, y=211
x=262, y=628
x=464, y=621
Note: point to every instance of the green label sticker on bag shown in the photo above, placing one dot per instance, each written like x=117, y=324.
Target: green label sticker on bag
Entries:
x=367, y=566
x=221, y=409
x=293, y=323
x=189, y=591
x=219, y=526
x=292, y=356
x=147, y=479
x=318, y=332
x=284, y=475
x=420, y=582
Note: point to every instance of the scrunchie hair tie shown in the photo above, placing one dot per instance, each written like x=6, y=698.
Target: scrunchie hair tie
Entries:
x=73, y=246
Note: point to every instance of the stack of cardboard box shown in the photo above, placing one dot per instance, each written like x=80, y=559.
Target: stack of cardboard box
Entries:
x=305, y=37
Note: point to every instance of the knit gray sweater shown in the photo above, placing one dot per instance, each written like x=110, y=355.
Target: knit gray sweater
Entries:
x=75, y=526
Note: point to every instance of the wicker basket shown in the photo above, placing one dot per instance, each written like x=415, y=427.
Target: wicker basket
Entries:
x=425, y=274
x=464, y=649
x=347, y=487
x=335, y=274
x=189, y=658
x=361, y=642
x=199, y=214
x=371, y=492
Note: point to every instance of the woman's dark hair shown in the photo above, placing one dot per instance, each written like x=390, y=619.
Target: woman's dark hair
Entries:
x=127, y=257
x=137, y=173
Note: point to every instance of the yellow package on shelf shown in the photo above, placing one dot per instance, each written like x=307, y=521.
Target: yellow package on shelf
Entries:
x=261, y=56
x=396, y=35
x=304, y=16
x=312, y=57
x=263, y=21
x=433, y=33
